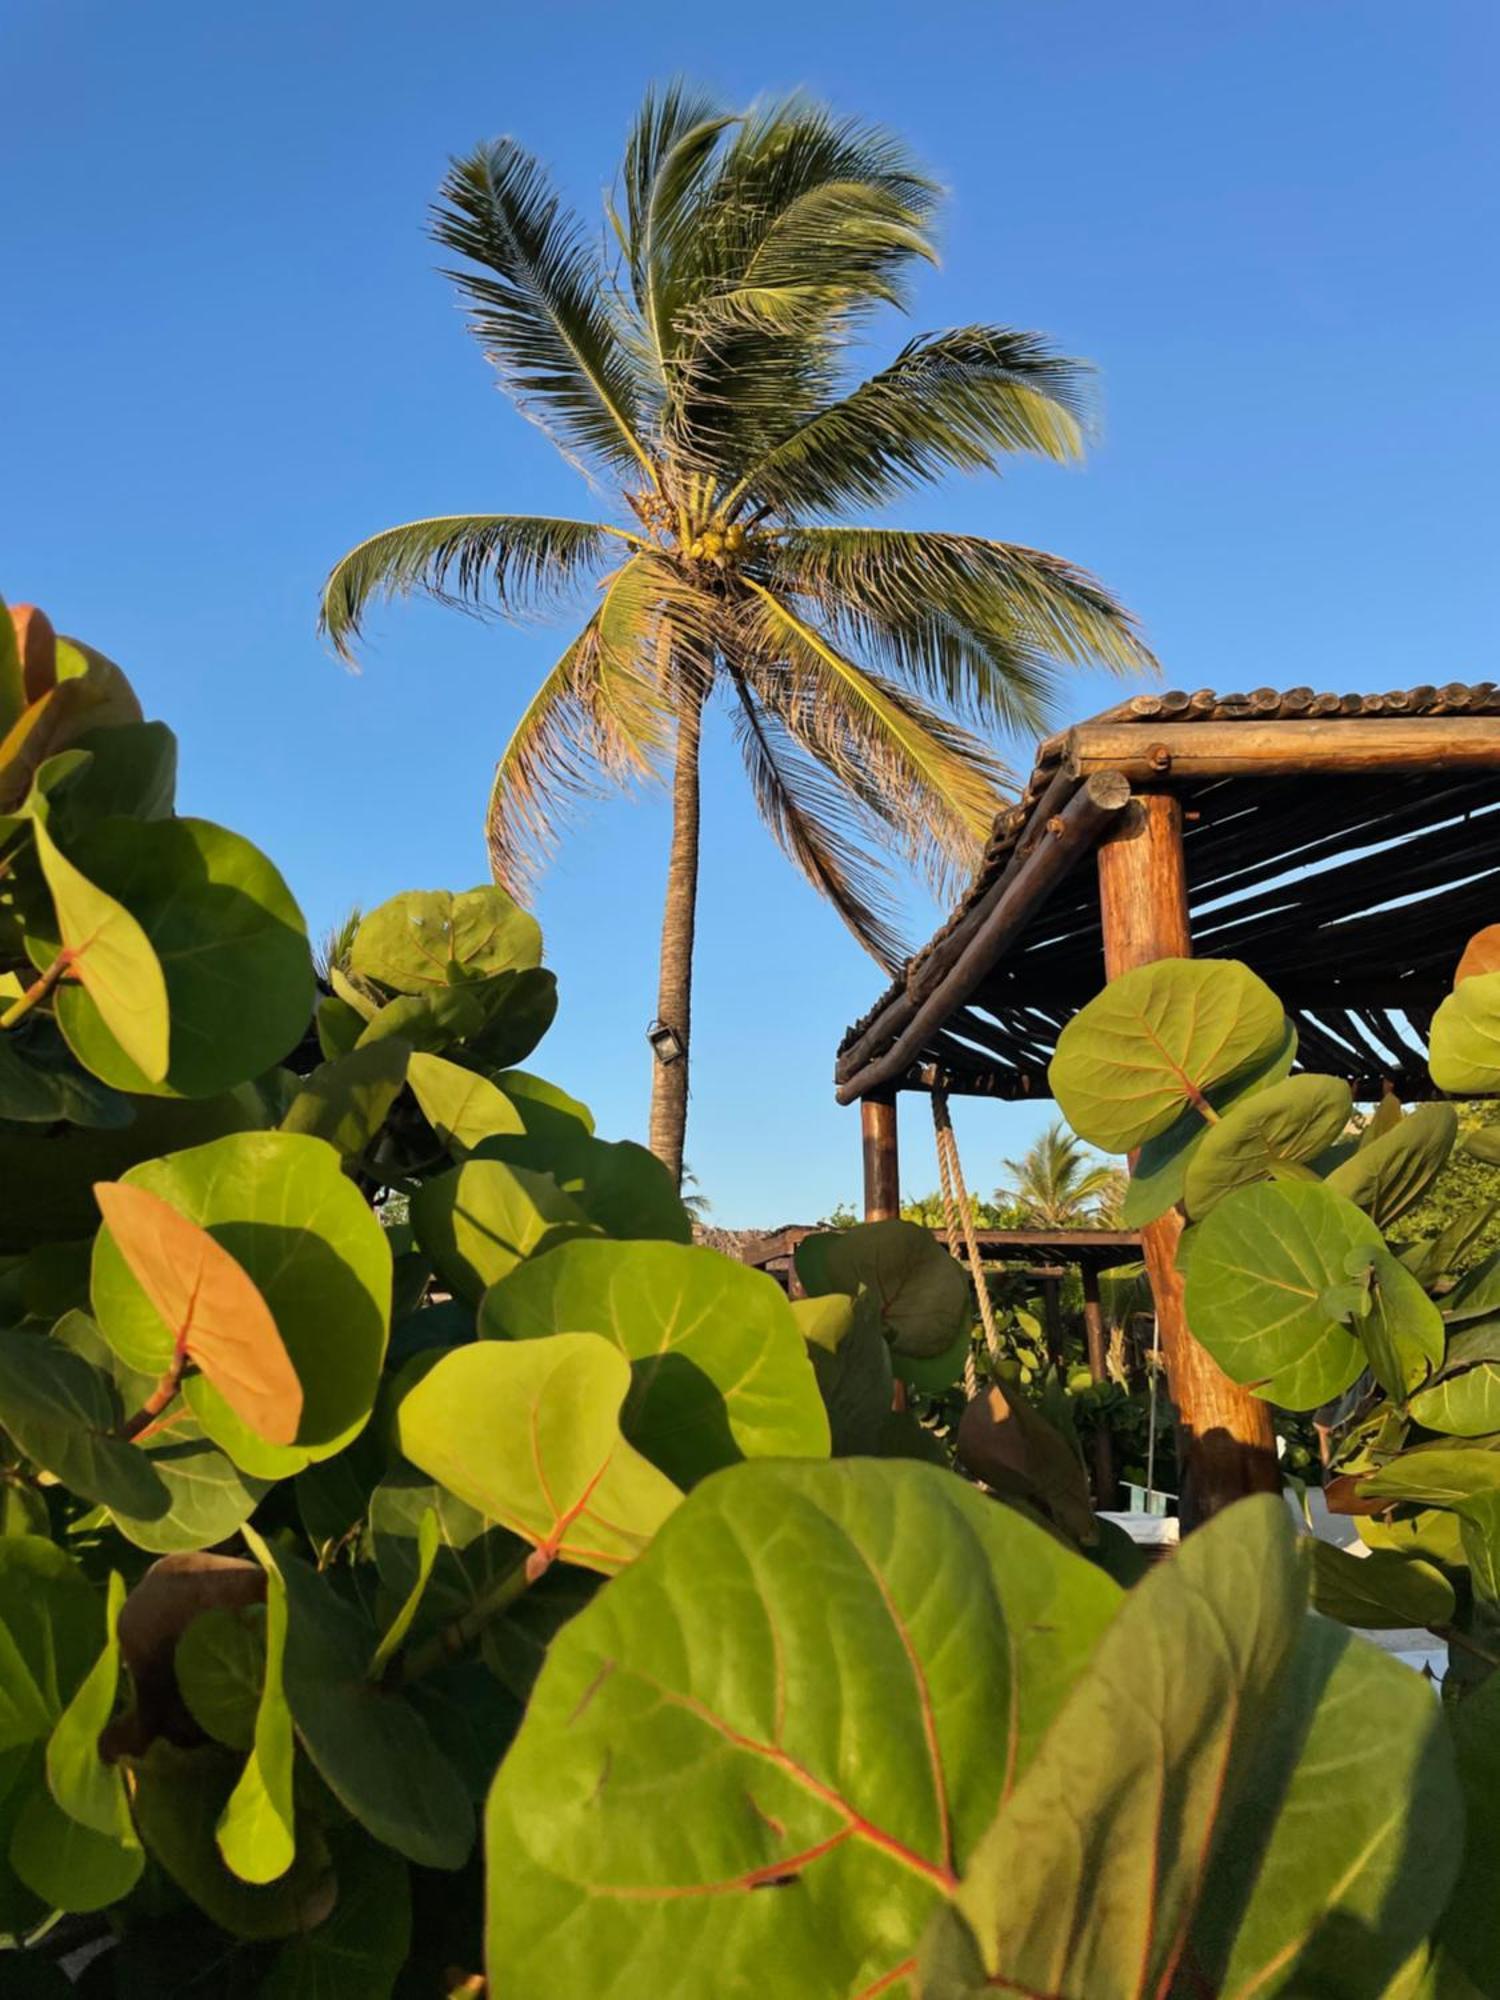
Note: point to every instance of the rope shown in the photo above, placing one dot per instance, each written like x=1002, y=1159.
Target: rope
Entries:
x=956, y=1202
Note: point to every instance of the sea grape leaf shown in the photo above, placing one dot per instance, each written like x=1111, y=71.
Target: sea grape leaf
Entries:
x=1477, y=1293
x=854, y=1373
x=473, y=1554
x=825, y=1322
x=13, y=694
x=518, y=1008
x=1480, y=955
x=231, y=943
x=1402, y=1332
x=40, y=1082
x=1392, y=1174
x=547, y=1111
x=345, y=1101
x=1379, y=1589
x=1261, y=1263
x=1466, y=1943
x=281, y=1206
x=51, y=1628
x=931, y=1374
x=66, y=1863
x=1479, y=1535
x=621, y=1187
x=1464, y=1049
x=1287, y=1125
x=461, y=1106
x=129, y=771
x=82, y=1784
x=1244, y=1823
x=429, y=1540
x=719, y=1368
x=1435, y=1475
x=431, y=938
x=1430, y=1536
x=339, y=1027
x=920, y=1291
x=1158, y=1038
x=180, y=1796
x=1010, y=1447
x=1158, y=1173
x=209, y=1305
x=1465, y=1403
x=65, y=1414
x=1484, y=1145
x=528, y=1433
x=358, y=1951
x=772, y=1744
x=478, y=1221
x=115, y=964
x=208, y=1496
x=368, y=1743
x=255, y=1831
x=219, y=1664
x=1433, y=1258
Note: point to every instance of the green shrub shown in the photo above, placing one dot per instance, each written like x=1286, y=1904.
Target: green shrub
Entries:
x=384, y=1598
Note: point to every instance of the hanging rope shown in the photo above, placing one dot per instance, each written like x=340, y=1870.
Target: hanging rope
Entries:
x=958, y=1219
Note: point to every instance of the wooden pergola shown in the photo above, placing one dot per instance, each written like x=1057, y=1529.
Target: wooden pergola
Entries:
x=1340, y=845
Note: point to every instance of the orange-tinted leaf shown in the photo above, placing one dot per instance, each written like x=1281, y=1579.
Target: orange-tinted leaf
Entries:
x=1481, y=954
x=36, y=643
x=214, y=1310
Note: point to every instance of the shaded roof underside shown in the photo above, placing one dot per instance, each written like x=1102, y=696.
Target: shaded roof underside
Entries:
x=1352, y=896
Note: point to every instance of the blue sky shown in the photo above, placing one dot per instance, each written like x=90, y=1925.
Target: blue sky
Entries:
x=225, y=356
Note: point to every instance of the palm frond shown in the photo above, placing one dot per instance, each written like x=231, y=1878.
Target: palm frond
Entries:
x=982, y=627
x=953, y=401
x=926, y=779
x=511, y=563
x=571, y=745
x=666, y=168
x=814, y=821
x=540, y=305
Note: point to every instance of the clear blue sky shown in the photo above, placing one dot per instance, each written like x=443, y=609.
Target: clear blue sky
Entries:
x=225, y=356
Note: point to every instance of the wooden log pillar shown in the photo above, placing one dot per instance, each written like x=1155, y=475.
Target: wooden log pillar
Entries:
x=1105, y=1477
x=877, y=1125
x=1226, y=1445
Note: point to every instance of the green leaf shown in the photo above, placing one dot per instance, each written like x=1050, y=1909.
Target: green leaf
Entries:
x=1378, y=1588
x=823, y=1677
x=623, y=1189
x=1156, y=1039
x=255, y=1831
x=1463, y=1404
x=1402, y=1333
x=1244, y=1823
x=357, y=1952
x=1288, y=1124
x=345, y=1101
x=82, y=1784
x=433, y=938
x=1467, y=1939
x=528, y=1433
x=208, y=1497
x=1479, y=1531
x=1390, y=1175
x=121, y=982
x=1464, y=1051
x=130, y=771
x=66, y=1863
x=65, y=1415
x=474, y=1556
x=41, y=1083
x=1012, y=1448
x=518, y=1009
x=1261, y=1262
x=281, y=1205
x=368, y=1743
x=461, y=1107
x=232, y=946
x=854, y=1373
x=932, y=1374
x=219, y=1664
x=1436, y=1475
x=825, y=1322
x=1477, y=1294
x=719, y=1368
x=12, y=684
x=429, y=1538
x=921, y=1292
x=1159, y=1174
x=548, y=1112
x=51, y=1628
x=338, y=1025
x=480, y=1220
x=180, y=1796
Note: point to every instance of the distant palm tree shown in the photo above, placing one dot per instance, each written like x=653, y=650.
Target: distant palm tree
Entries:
x=1058, y=1185
x=702, y=373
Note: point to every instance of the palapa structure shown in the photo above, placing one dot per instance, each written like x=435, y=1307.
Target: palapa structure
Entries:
x=1343, y=846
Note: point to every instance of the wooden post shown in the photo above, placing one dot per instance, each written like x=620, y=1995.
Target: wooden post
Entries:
x=1052, y=1323
x=1226, y=1443
x=877, y=1125
x=1105, y=1494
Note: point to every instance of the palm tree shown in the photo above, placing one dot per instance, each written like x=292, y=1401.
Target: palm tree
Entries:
x=701, y=370
x=1056, y=1187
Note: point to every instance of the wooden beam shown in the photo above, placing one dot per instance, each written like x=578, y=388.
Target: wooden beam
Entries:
x=1105, y=1478
x=1162, y=752
x=1069, y=836
x=1226, y=1442
x=877, y=1124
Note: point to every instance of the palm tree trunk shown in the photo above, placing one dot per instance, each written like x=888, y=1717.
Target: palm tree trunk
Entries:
x=674, y=993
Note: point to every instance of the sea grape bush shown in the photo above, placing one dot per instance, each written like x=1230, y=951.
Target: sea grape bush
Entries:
x=520, y=1590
